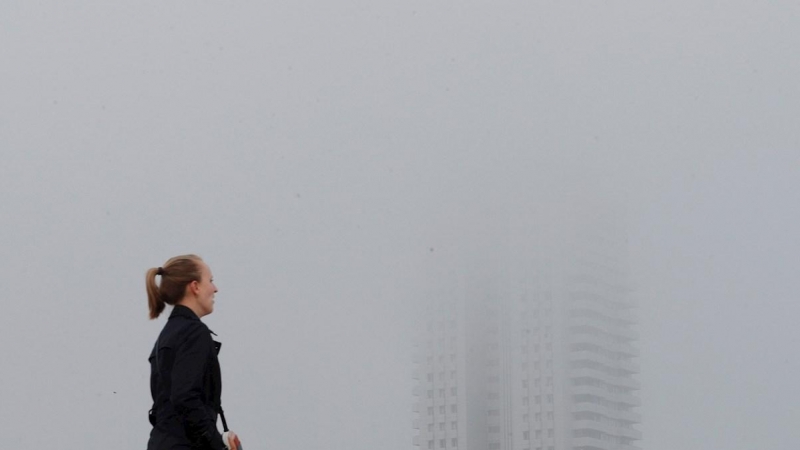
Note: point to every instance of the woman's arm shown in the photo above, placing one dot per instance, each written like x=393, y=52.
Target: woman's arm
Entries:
x=191, y=360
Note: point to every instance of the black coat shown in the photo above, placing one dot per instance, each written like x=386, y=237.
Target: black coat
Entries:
x=186, y=385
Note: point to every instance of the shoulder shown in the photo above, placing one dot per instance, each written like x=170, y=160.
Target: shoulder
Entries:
x=194, y=328
x=195, y=334
x=181, y=329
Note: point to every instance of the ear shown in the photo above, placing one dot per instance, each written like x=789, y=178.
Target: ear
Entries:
x=194, y=287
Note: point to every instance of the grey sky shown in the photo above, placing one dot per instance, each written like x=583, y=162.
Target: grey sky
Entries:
x=326, y=157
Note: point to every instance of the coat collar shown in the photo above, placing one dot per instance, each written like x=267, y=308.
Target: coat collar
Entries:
x=183, y=311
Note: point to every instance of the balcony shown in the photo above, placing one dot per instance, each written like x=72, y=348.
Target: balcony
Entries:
x=590, y=443
x=613, y=397
x=629, y=433
x=613, y=380
x=626, y=349
x=591, y=390
x=592, y=425
x=627, y=447
x=582, y=323
x=627, y=416
x=584, y=359
x=627, y=399
x=595, y=357
x=607, y=429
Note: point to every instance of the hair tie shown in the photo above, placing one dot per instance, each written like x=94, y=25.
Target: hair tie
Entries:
x=160, y=271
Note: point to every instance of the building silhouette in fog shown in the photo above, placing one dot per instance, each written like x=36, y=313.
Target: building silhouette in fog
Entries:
x=531, y=344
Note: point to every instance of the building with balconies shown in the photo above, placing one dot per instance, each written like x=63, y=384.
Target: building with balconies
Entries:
x=536, y=353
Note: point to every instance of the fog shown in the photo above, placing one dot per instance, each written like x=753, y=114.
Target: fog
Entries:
x=329, y=160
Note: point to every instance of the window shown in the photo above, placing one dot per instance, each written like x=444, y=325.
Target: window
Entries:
x=524, y=383
x=430, y=393
x=453, y=391
x=453, y=408
x=549, y=398
x=538, y=434
x=454, y=425
x=430, y=444
x=550, y=415
x=538, y=399
x=441, y=392
x=441, y=443
x=441, y=409
x=430, y=410
x=430, y=428
x=454, y=442
x=526, y=435
x=441, y=426
x=430, y=377
x=550, y=432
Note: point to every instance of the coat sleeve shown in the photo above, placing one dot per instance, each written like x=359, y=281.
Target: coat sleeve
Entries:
x=191, y=361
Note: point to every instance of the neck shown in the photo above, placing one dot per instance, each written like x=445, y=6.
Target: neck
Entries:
x=192, y=304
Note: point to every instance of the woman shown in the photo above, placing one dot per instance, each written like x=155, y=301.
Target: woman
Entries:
x=184, y=370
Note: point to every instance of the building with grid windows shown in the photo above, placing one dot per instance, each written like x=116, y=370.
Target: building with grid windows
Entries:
x=534, y=348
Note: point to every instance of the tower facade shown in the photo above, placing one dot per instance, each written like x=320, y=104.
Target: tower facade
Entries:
x=532, y=348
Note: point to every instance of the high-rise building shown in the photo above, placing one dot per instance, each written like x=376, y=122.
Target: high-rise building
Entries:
x=533, y=347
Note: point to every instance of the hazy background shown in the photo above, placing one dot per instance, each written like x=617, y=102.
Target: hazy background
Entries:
x=326, y=158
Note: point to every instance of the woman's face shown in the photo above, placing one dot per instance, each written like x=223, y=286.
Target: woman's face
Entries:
x=206, y=290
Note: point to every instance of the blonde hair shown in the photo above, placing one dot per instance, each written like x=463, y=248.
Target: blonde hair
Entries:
x=175, y=274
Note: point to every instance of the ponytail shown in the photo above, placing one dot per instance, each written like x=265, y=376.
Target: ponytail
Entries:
x=176, y=274
x=154, y=301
